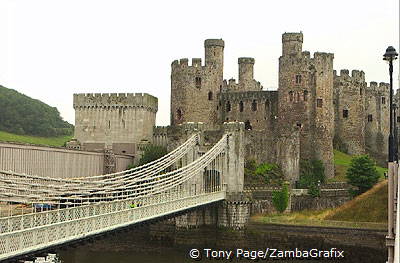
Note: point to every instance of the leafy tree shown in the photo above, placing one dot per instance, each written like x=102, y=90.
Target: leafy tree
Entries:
x=280, y=199
x=264, y=173
x=150, y=153
x=312, y=175
x=311, y=172
x=362, y=174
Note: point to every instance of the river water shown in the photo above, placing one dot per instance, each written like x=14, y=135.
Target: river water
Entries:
x=166, y=245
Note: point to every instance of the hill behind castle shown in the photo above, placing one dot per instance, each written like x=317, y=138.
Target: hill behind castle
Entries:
x=23, y=115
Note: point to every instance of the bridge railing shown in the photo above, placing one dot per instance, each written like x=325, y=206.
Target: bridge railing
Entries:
x=28, y=233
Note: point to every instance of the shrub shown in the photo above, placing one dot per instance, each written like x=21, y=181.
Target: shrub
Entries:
x=150, y=153
x=264, y=173
x=362, y=174
x=314, y=190
x=280, y=199
x=312, y=172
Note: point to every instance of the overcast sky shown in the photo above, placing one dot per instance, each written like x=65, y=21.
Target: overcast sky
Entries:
x=50, y=49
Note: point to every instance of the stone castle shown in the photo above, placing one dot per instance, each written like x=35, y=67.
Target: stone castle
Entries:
x=313, y=110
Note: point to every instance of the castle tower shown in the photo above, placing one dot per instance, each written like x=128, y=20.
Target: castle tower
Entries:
x=306, y=99
x=292, y=43
x=246, y=73
x=377, y=120
x=349, y=107
x=194, y=88
x=214, y=53
x=114, y=121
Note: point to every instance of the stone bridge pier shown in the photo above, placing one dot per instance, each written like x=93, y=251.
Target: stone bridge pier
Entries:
x=234, y=211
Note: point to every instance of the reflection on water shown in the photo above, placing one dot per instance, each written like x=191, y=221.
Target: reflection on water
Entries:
x=138, y=245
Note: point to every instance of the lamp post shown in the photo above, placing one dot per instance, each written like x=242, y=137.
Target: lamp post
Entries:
x=389, y=56
x=395, y=135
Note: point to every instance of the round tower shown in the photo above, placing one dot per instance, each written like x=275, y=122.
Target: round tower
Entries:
x=306, y=99
x=214, y=53
x=292, y=43
x=246, y=73
x=195, y=88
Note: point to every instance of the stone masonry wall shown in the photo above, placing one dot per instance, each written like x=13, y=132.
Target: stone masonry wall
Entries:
x=118, y=121
x=257, y=109
x=349, y=106
x=306, y=99
x=194, y=88
x=377, y=130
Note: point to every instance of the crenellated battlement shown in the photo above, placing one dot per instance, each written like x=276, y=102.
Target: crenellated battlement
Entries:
x=323, y=56
x=356, y=76
x=232, y=81
x=183, y=63
x=382, y=87
x=116, y=100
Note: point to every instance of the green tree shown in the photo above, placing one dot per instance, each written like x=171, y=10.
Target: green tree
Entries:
x=150, y=153
x=264, y=173
x=280, y=199
x=362, y=174
x=311, y=172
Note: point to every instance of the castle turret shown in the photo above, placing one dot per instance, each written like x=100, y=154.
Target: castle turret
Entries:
x=292, y=43
x=246, y=73
x=194, y=88
x=214, y=53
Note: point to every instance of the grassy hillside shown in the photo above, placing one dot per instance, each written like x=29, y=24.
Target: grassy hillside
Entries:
x=368, y=210
x=23, y=115
x=51, y=141
x=342, y=162
x=370, y=206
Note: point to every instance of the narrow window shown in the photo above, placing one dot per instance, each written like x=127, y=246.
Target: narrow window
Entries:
x=345, y=113
x=305, y=95
x=179, y=114
x=291, y=96
x=210, y=95
x=109, y=124
x=297, y=96
x=360, y=91
x=254, y=105
x=241, y=106
x=198, y=82
x=398, y=118
x=370, y=118
x=383, y=100
x=298, y=79
x=267, y=104
x=247, y=125
x=319, y=103
x=228, y=106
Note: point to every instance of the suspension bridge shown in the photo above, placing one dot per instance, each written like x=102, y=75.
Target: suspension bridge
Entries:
x=41, y=212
